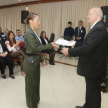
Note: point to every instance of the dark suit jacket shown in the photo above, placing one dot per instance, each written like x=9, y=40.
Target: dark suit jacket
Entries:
x=1, y=33
x=92, y=53
x=43, y=41
x=69, y=32
x=81, y=34
x=4, y=47
x=107, y=43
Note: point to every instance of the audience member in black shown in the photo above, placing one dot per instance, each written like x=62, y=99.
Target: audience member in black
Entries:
x=50, y=51
x=4, y=37
x=69, y=31
x=5, y=59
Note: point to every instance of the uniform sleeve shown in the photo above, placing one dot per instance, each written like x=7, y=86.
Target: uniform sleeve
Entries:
x=42, y=60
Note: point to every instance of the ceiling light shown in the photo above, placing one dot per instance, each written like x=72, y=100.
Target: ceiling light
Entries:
x=19, y=0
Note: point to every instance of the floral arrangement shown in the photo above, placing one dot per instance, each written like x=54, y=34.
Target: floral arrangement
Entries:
x=104, y=83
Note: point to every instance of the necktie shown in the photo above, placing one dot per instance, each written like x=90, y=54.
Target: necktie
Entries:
x=78, y=31
x=38, y=37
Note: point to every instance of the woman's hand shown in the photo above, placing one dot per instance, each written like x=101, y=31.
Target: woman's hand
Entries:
x=54, y=45
x=3, y=55
x=72, y=41
x=43, y=64
x=18, y=42
x=6, y=54
x=7, y=43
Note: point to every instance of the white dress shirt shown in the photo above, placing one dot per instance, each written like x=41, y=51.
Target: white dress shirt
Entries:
x=1, y=49
x=46, y=41
x=12, y=48
x=80, y=27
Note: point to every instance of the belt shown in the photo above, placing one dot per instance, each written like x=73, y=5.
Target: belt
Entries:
x=31, y=54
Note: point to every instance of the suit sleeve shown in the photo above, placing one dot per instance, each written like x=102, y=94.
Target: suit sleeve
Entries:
x=75, y=32
x=92, y=41
x=107, y=43
x=72, y=33
x=33, y=43
x=84, y=31
x=5, y=48
x=65, y=32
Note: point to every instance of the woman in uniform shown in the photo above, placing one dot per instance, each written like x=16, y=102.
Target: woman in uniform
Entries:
x=33, y=48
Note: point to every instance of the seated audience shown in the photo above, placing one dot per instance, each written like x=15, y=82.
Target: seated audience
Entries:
x=69, y=31
x=50, y=51
x=1, y=33
x=80, y=32
x=5, y=59
x=18, y=36
x=14, y=50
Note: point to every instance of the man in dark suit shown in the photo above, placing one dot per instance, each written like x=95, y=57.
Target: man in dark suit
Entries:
x=69, y=31
x=80, y=32
x=92, y=58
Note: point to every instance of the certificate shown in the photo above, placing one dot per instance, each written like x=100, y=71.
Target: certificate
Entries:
x=65, y=42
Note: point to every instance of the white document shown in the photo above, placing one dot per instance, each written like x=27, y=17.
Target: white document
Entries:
x=65, y=42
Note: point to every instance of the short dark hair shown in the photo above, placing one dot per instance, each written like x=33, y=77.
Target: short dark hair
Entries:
x=17, y=30
x=69, y=22
x=0, y=27
x=81, y=21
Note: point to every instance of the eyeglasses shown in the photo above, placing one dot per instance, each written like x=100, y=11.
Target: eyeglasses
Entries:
x=38, y=21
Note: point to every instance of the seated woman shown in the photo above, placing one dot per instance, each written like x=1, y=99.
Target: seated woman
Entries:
x=5, y=59
x=14, y=50
x=50, y=51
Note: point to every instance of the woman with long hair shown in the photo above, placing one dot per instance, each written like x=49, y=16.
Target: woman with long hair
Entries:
x=14, y=50
x=50, y=51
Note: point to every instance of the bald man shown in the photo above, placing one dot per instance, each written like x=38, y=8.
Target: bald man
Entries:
x=92, y=58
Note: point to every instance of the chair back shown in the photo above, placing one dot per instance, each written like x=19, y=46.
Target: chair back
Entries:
x=52, y=37
x=21, y=44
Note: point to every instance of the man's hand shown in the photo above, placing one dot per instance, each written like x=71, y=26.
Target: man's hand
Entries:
x=78, y=38
x=18, y=42
x=43, y=64
x=65, y=51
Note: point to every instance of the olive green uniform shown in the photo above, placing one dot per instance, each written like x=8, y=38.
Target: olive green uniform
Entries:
x=33, y=49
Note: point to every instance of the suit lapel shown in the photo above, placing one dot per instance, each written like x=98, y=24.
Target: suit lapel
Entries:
x=34, y=35
x=93, y=28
